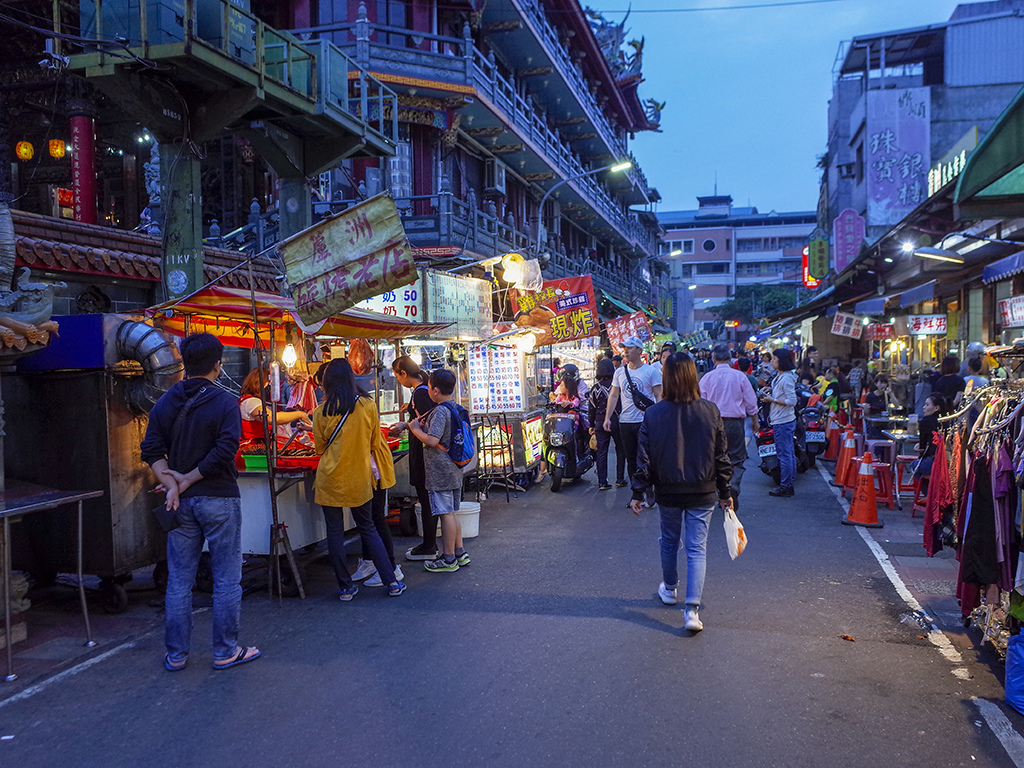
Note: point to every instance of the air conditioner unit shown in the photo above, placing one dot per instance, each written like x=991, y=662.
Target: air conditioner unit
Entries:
x=494, y=177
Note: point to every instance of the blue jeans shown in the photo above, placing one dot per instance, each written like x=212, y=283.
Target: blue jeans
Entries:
x=695, y=543
x=362, y=515
x=784, y=435
x=218, y=520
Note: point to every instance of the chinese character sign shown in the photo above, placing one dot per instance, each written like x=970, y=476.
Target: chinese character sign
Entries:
x=621, y=328
x=465, y=302
x=850, y=326
x=848, y=231
x=405, y=302
x=495, y=378
x=878, y=332
x=1011, y=312
x=809, y=282
x=897, y=152
x=342, y=260
x=564, y=310
x=931, y=325
x=817, y=259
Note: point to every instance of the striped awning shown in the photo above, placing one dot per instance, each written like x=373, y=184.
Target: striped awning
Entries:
x=1004, y=268
x=228, y=314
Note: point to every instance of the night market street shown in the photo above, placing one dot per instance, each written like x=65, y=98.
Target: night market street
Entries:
x=552, y=649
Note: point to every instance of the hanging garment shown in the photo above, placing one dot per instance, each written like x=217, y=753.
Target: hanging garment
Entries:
x=956, y=464
x=979, y=565
x=940, y=497
x=1004, y=494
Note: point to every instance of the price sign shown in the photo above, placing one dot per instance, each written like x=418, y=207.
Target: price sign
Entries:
x=405, y=302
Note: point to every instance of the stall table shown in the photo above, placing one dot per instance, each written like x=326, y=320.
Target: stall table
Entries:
x=19, y=499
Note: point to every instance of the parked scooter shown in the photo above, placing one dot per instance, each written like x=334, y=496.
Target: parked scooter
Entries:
x=566, y=448
x=766, y=448
x=813, y=419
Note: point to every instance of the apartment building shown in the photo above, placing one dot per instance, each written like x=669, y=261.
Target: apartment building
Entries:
x=712, y=250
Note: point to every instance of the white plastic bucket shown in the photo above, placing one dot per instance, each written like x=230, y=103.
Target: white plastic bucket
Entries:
x=419, y=522
x=469, y=518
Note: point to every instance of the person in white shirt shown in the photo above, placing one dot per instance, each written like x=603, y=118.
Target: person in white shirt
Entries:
x=974, y=373
x=638, y=385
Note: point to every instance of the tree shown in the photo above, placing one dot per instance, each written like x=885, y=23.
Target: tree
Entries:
x=751, y=303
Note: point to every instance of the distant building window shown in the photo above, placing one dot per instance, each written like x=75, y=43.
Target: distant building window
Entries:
x=792, y=242
x=708, y=245
x=718, y=268
x=748, y=244
x=687, y=246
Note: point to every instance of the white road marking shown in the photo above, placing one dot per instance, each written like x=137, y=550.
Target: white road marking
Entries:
x=1003, y=730
x=33, y=690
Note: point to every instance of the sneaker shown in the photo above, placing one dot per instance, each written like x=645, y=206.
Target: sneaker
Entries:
x=440, y=565
x=377, y=581
x=365, y=570
x=783, y=492
x=347, y=594
x=693, y=622
x=621, y=483
x=463, y=559
x=422, y=552
x=667, y=594
x=396, y=588
x=604, y=487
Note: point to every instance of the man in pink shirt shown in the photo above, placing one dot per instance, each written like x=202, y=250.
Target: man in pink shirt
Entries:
x=730, y=390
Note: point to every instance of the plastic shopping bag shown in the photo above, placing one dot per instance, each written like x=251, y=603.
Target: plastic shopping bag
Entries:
x=734, y=535
x=1015, y=672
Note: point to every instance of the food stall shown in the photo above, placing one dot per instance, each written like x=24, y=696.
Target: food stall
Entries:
x=229, y=313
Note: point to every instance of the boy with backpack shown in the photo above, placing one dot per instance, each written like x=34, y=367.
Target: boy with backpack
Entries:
x=444, y=437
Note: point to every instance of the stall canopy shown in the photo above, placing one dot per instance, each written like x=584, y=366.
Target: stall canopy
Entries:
x=1004, y=268
x=228, y=314
x=992, y=183
x=917, y=294
x=619, y=304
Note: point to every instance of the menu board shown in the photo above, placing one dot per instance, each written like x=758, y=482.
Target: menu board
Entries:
x=495, y=379
x=405, y=302
x=463, y=301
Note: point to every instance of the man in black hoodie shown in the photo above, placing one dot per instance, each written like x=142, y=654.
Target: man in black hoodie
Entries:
x=190, y=443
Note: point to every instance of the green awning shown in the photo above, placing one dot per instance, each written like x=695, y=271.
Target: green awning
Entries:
x=992, y=182
x=621, y=305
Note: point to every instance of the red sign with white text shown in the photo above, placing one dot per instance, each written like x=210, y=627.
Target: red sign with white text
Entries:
x=621, y=328
x=563, y=310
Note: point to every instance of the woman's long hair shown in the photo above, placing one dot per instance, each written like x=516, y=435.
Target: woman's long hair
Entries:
x=679, y=379
x=340, y=388
x=409, y=367
x=251, y=383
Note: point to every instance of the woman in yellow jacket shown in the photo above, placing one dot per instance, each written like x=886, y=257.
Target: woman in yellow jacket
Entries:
x=355, y=465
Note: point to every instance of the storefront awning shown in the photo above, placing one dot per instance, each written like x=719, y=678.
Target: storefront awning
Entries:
x=917, y=294
x=992, y=182
x=621, y=305
x=1004, y=268
x=874, y=306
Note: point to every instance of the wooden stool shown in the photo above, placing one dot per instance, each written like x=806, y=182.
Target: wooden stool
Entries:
x=883, y=481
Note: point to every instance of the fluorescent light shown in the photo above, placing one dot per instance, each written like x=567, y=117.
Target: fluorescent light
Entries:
x=692, y=287
x=752, y=338
x=887, y=260
x=676, y=252
x=621, y=166
x=707, y=301
x=938, y=254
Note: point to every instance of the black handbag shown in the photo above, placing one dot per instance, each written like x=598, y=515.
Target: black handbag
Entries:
x=640, y=400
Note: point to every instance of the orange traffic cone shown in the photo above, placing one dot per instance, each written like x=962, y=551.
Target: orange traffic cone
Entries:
x=863, y=396
x=864, y=508
x=832, y=452
x=843, y=462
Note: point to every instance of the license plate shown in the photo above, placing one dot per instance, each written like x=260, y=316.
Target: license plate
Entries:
x=815, y=437
x=766, y=450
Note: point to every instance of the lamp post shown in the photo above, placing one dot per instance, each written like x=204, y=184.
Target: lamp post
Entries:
x=614, y=167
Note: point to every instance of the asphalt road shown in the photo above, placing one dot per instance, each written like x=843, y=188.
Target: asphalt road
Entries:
x=551, y=649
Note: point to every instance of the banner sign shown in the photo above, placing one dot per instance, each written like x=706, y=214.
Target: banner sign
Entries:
x=809, y=282
x=621, y=328
x=926, y=324
x=691, y=340
x=878, y=331
x=342, y=260
x=817, y=260
x=564, y=310
x=898, y=152
x=847, y=325
x=1011, y=312
x=848, y=232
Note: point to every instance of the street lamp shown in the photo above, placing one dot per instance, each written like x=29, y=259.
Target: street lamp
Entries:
x=614, y=168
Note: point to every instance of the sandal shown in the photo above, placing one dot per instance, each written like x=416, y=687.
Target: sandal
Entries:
x=170, y=666
x=242, y=655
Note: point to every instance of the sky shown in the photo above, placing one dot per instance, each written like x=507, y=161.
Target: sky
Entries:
x=747, y=91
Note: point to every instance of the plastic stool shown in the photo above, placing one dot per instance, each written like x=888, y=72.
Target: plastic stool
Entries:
x=920, y=502
x=888, y=445
x=883, y=481
x=902, y=467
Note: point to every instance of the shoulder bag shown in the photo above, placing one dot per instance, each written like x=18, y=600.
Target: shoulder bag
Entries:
x=640, y=400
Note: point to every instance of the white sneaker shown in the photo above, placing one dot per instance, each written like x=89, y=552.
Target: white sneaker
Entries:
x=365, y=570
x=667, y=595
x=376, y=581
x=693, y=622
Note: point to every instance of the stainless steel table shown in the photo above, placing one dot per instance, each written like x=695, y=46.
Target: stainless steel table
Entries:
x=22, y=499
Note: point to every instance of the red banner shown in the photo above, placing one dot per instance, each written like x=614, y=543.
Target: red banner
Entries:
x=563, y=309
x=878, y=331
x=621, y=328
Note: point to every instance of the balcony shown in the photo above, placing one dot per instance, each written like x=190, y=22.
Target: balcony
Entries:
x=442, y=64
x=467, y=232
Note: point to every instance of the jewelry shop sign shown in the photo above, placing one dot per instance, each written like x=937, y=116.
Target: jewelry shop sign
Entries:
x=345, y=259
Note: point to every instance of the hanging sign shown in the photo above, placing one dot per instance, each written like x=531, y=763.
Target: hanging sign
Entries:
x=691, y=340
x=878, y=331
x=809, y=282
x=621, y=328
x=1011, y=312
x=405, y=302
x=337, y=263
x=848, y=231
x=564, y=310
x=465, y=302
x=817, y=259
x=926, y=324
x=847, y=325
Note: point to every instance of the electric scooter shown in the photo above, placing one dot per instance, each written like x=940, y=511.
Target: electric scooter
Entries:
x=566, y=448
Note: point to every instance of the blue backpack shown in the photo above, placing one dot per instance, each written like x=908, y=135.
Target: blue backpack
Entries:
x=462, y=447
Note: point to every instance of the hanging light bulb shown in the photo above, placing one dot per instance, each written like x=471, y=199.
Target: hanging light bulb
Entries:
x=512, y=263
x=526, y=342
x=289, y=357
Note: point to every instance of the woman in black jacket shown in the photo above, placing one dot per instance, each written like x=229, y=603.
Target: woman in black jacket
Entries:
x=682, y=452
